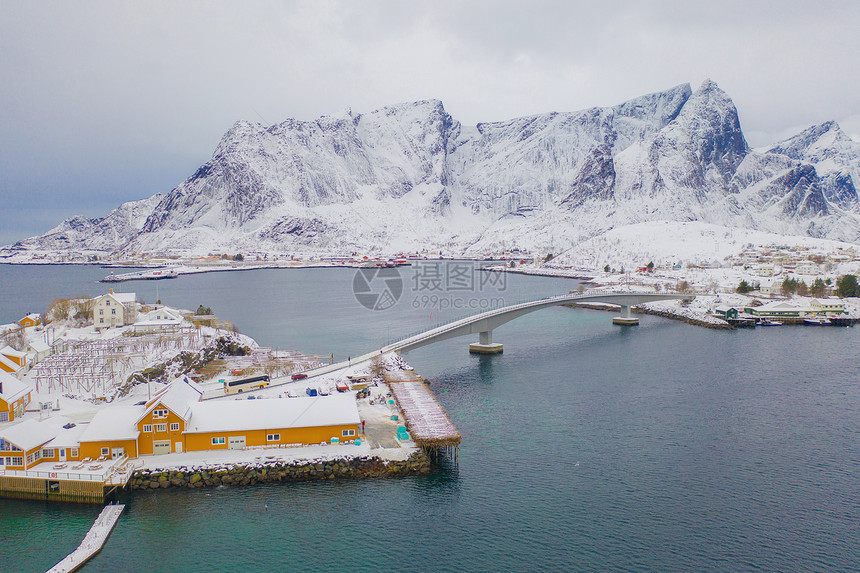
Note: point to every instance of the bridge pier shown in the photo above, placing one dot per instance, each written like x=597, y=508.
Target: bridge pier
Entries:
x=485, y=344
x=625, y=319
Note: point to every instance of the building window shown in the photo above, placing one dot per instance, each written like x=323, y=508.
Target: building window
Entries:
x=161, y=427
x=74, y=453
x=113, y=311
x=105, y=451
x=101, y=311
x=273, y=437
x=218, y=441
x=48, y=453
x=17, y=461
x=174, y=427
x=29, y=458
x=347, y=433
x=147, y=428
x=101, y=321
x=159, y=413
x=107, y=303
x=37, y=454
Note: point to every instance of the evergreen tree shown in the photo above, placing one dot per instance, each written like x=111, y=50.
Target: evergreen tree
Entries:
x=818, y=287
x=789, y=286
x=744, y=287
x=846, y=286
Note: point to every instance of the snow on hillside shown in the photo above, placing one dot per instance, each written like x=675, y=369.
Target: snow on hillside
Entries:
x=666, y=243
x=409, y=177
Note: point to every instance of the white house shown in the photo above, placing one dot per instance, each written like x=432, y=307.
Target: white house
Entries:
x=771, y=287
x=159, y=320
x=827, y=305
x=38, y=350
x=807, y=268
x=114, y=309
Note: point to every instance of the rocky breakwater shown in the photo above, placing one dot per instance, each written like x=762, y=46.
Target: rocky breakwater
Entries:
x=664, y=310
x=279, y=471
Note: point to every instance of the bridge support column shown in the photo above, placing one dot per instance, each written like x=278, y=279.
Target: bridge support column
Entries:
x=625, y=319
x=485, y=344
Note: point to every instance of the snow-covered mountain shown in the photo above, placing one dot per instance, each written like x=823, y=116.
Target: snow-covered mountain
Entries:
x=409, y=177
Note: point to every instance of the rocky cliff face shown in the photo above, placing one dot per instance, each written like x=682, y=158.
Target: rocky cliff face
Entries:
x=409, y=177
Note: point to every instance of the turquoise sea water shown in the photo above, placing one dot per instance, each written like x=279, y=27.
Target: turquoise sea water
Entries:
x=586, y=447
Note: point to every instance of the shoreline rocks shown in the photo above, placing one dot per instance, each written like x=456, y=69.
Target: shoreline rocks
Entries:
x=279, y=471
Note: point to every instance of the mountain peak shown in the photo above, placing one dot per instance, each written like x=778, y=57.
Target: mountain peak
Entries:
x=407, y=177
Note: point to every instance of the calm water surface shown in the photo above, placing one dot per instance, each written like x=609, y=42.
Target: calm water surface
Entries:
x=586, y=447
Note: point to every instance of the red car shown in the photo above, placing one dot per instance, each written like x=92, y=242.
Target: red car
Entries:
x=299, y=376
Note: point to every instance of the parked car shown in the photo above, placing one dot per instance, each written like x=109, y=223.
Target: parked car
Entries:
x=299, y=376
x=311, y=392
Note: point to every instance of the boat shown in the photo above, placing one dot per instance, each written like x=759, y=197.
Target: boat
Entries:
x=816, y=321
x=768, y=322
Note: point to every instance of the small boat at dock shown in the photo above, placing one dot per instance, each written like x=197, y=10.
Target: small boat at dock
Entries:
x=768, y=322
x=816, y=321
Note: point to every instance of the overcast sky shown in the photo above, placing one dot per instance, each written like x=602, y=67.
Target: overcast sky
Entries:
x=105, y=102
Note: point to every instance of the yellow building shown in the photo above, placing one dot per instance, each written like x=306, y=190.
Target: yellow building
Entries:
x=111, y=434
x=161, y=427
x=21, y=444
x=276, y=422
x=14, y=397
x=30, y=320
x=176, y=420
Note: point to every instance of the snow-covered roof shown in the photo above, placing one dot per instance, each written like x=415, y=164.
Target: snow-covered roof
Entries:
x=159, y=322
x=9, y=364
x=177, y=397
x=120, y=297
x=39, y=345
x=11, y=389
x=33, y=433
x=68, y=437
x=159, y=316
x=113, y=423
x=272, y=414
x=780, y=306
x=9, y=351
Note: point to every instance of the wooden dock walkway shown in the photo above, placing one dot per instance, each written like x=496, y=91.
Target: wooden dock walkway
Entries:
x=93, y=541
x=425, y=418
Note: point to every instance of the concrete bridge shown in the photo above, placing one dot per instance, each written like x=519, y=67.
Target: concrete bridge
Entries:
x=484, y=323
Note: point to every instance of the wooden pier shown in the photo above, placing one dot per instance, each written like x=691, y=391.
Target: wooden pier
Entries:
x=427, y=422
x=93, y=541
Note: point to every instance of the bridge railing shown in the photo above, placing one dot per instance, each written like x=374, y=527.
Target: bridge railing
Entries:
x=523, y=303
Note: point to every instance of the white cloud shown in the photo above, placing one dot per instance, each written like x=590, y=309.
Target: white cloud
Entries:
x=116, y=101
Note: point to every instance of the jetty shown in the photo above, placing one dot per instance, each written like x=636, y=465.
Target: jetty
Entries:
x=426, y=420
x=93, y=541
x=151, y=275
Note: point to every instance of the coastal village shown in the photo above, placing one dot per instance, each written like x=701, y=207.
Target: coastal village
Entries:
x=110, y=393
x=75, y=426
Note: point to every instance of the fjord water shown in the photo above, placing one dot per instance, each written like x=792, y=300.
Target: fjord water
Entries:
x=586, y=446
